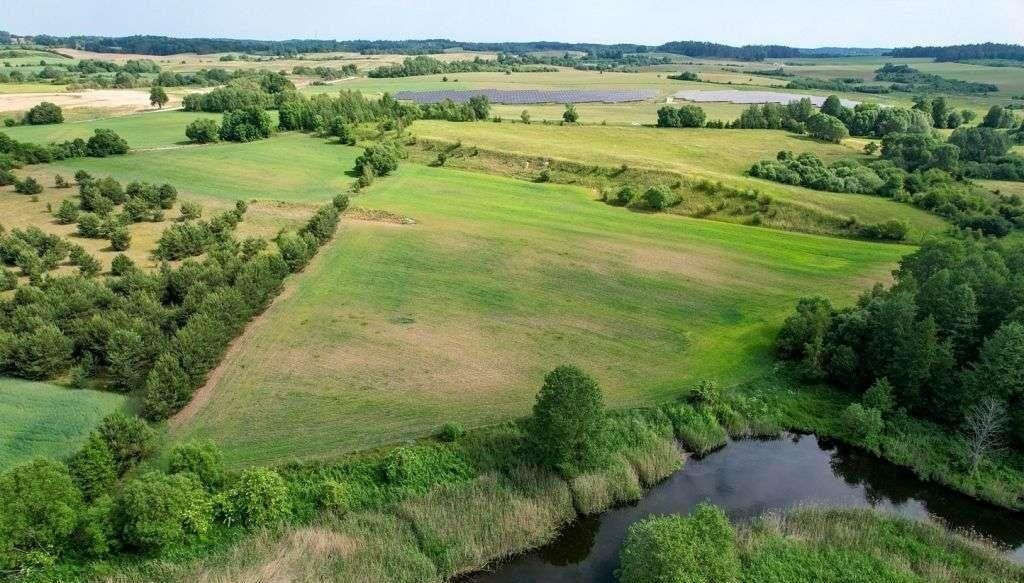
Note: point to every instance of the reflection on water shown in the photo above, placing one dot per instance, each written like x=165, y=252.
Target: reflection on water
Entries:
x=747, y=479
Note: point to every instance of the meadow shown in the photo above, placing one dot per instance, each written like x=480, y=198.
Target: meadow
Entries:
x=719, y=155
x=398, y=328
x=45, y=420
x=142, y=131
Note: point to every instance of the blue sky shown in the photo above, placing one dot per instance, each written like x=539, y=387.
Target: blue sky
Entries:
x=804, y=23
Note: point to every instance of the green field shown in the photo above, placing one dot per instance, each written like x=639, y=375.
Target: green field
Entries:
x=290, y=167
x=44, y=420
x=141, y=131
x=397, y=329
x=723, y=155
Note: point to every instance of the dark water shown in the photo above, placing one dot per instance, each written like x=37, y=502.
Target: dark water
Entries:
x=748, y=478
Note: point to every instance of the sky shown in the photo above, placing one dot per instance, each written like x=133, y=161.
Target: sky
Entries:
x=803, y=23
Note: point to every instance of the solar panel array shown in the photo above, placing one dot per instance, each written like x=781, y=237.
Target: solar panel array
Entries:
x=523, y=96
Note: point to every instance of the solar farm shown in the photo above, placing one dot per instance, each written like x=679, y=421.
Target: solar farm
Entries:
x=752, y=97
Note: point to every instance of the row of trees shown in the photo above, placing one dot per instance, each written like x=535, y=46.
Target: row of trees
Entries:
x=103, y=143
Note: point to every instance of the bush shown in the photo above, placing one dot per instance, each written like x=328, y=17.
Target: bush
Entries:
x=258, y=498
x=451, y=432
x=203, y=131
x=380, y=159
x=105, y=143
x=879, y=396
x=190, y=211
x=657, y=198
x=67, y=212
x=121, y=265
x=699, y=548
x=28, y=186
x=625, y=196
x=568, y=429
x=863, y=424
x=340, y=202
x=90, y=225
x=158, y=511
x=93, y=467
x=129, y=438
x=201, y=458
x=120, y=238
x=570, y=115
x=39, y=508
x=44, y=113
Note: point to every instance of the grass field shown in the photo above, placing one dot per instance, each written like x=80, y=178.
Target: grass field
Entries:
x=289, y=167
x=715, y=154
x=141, y=131
x=397, y=329
x=43, y=420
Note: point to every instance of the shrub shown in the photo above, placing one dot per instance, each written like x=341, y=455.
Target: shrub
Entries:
x=380, y=159
x=93, y=467
x=879, y=396
x=657, y=198
x=863, y=424
x=90, y=225
x=121, y=265
x=105, y=143
x=190, y=211
x=202, y=458
x=570, y=115
x=129, y=438
x=28, y=186
x=67, y=212
x=451, y=432
x=699, y=548
x=120, y=238
x=258, y=498
x=624, y=196
x=568, y=428
x=44, y=113
x=39, y=508
x=203, y=131
x=158, y=511
x=340, y=202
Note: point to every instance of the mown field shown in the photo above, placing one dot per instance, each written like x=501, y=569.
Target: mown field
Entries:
x=44, y=420
x=290, y=167
x=141, y=131
x=723, y=155
x=397, y=329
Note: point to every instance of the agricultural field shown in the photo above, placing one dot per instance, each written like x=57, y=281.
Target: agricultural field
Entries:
x=45, y=420
x=530, y=276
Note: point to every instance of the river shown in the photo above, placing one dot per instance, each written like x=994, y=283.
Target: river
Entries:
x=748, y=478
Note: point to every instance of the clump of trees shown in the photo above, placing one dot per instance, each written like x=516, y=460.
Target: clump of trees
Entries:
x=379, y=159
x=257, y=91
x=686, y=116
x=246, y=125
x=947, y=336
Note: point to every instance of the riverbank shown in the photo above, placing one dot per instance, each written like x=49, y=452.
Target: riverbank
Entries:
x=441, y=508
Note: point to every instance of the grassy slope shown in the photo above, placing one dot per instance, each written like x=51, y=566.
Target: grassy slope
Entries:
x=398, y=329
x=715, y=154
x=39, y=419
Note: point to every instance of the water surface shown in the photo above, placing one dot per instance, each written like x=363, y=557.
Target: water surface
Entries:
x=748, y=478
